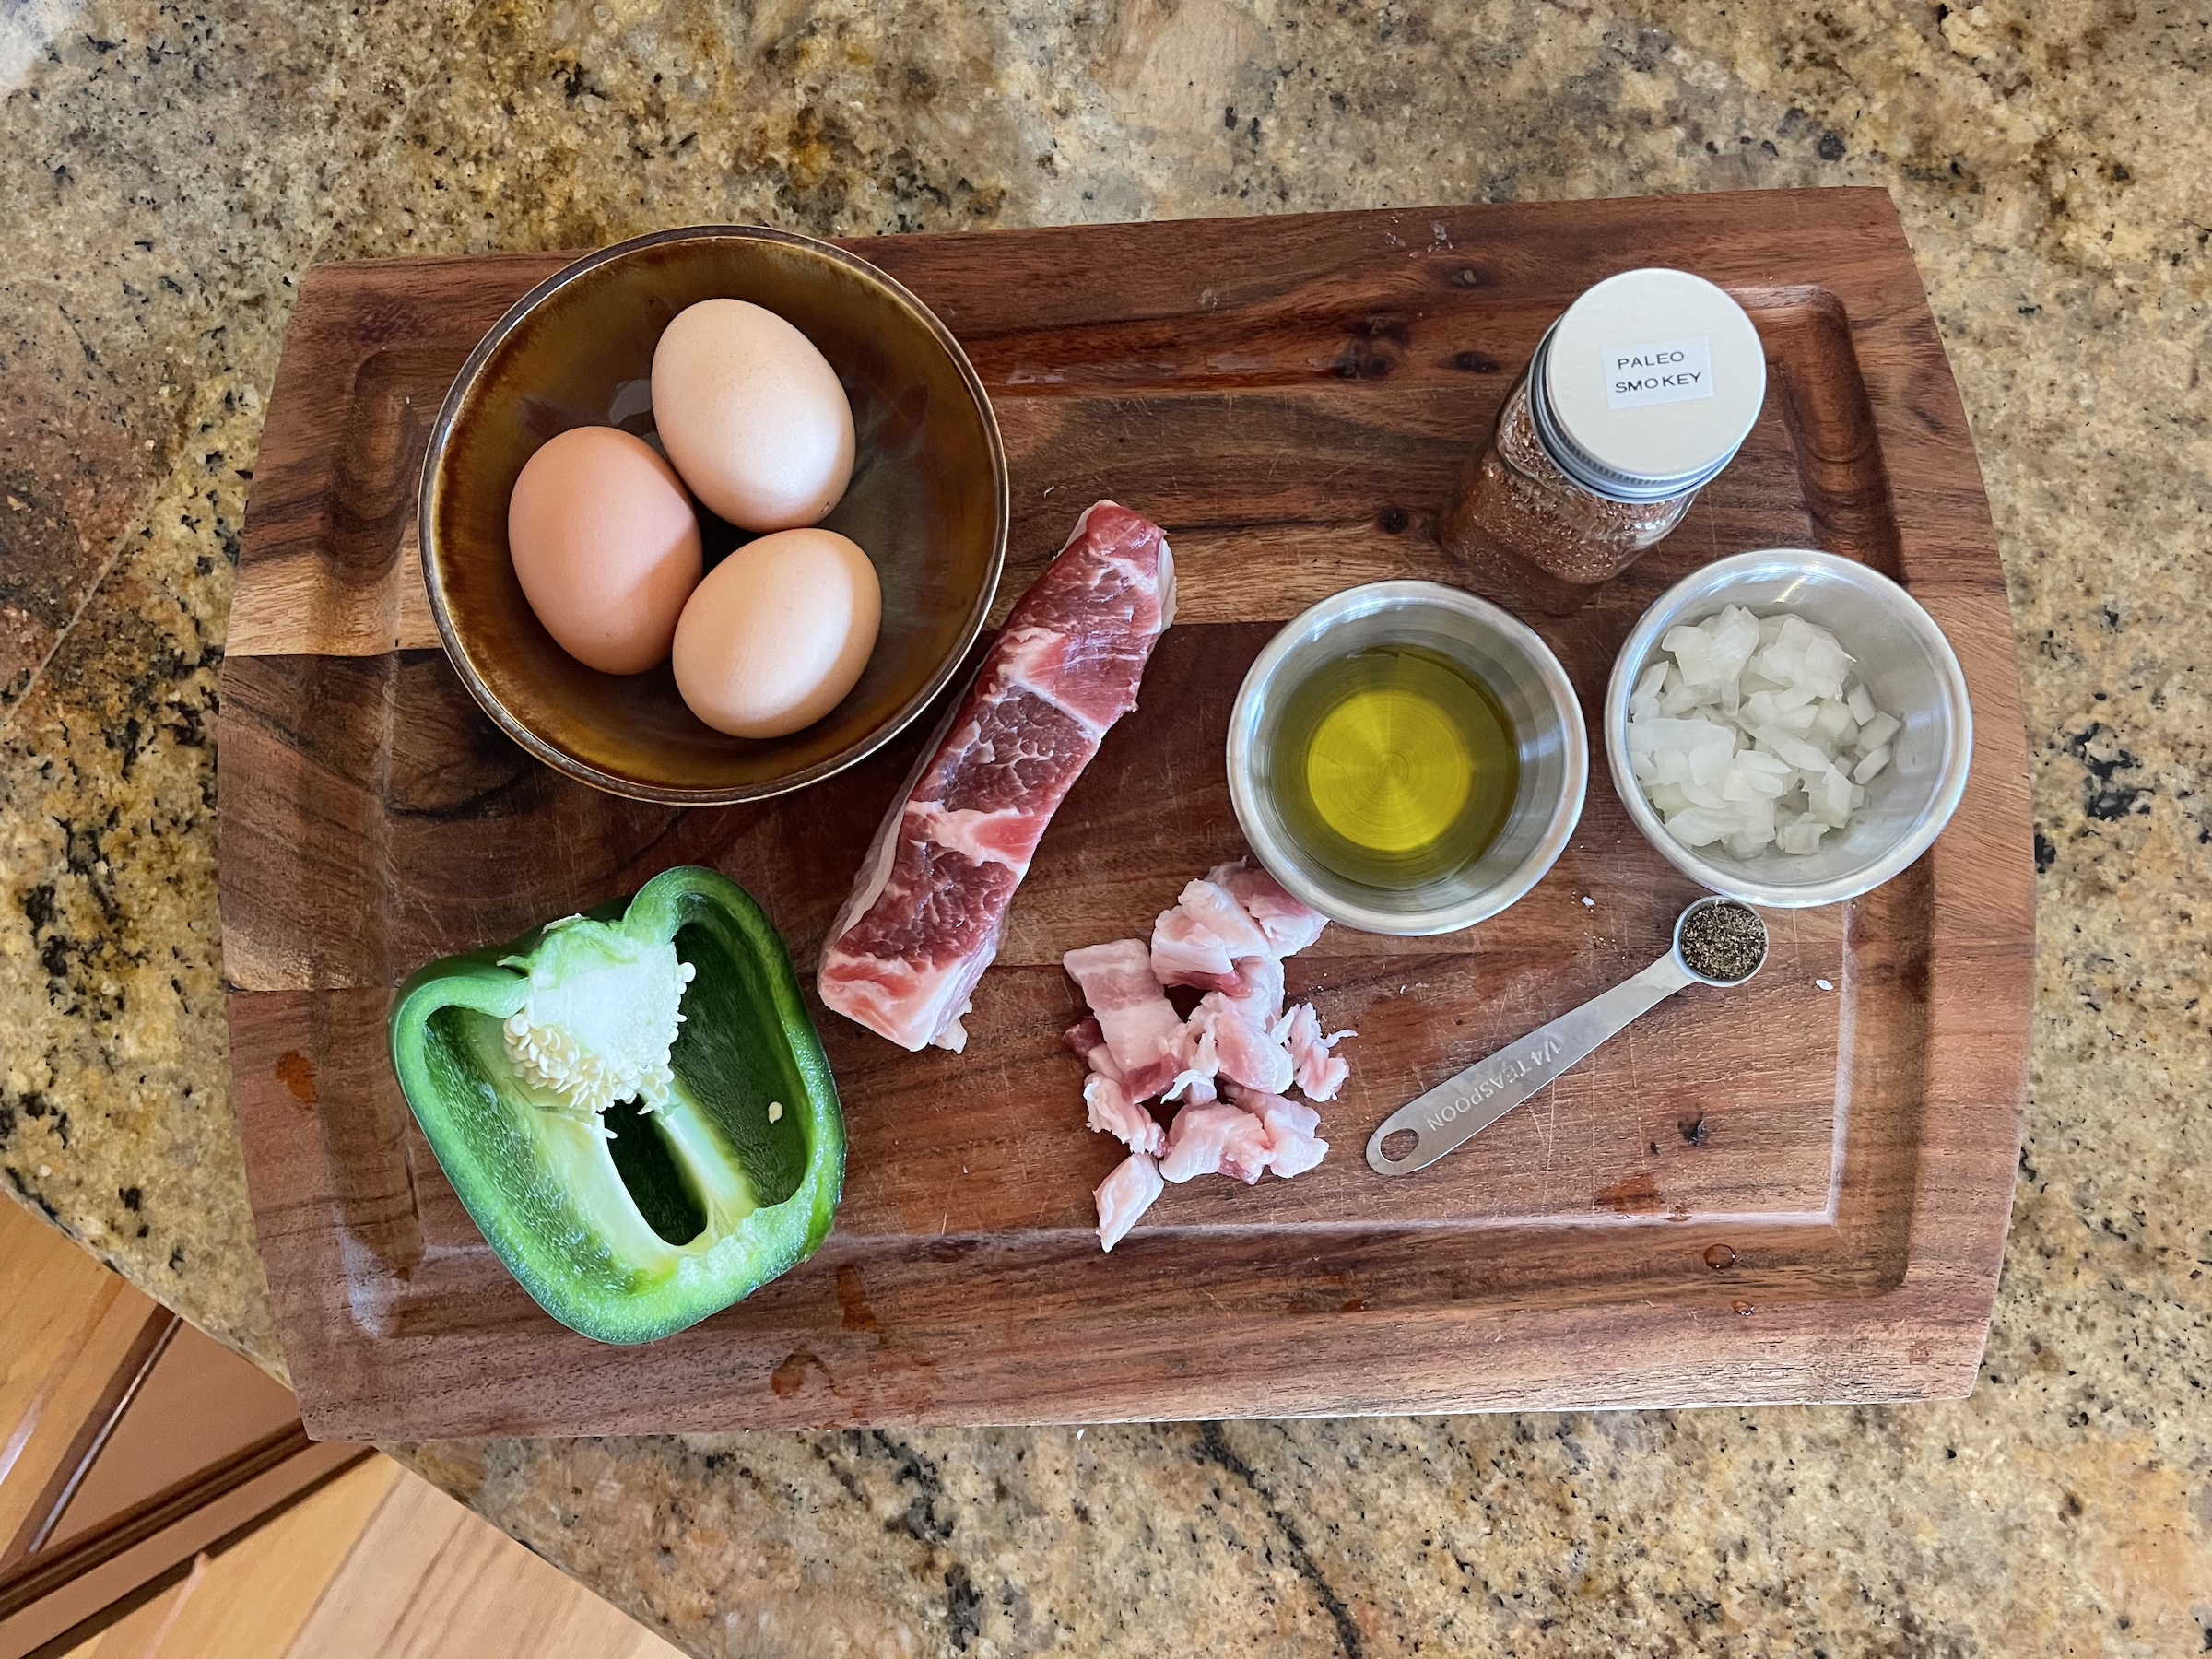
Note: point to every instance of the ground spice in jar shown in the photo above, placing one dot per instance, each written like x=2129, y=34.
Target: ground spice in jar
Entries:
x=1636, y=398
x=1724, y=941
x=1541, y=534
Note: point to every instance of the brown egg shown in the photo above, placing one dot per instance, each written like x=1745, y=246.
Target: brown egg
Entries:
x=752, y=415
x=777, y=634
x=606, y=544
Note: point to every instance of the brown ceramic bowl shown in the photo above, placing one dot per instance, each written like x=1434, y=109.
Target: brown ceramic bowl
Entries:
x=928, y=501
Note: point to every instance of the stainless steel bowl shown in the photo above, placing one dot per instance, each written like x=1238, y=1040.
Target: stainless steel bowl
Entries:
x=1905, y=663
x=1521, y=673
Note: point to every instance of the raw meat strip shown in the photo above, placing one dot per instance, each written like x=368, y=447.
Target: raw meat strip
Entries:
x=1245, y=1050
x=1290, y=923
x=1205, y=1140
x=1125, y=1195
x=923, y=919
x=1292, y=1147
x=1319, y=1072
x=1112, y=1112
x=1142, y=1032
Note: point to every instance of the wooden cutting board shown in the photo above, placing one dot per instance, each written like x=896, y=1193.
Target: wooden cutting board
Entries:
x=1793, y=1192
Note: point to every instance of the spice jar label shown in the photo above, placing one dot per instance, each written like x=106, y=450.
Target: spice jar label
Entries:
x=1660, y=371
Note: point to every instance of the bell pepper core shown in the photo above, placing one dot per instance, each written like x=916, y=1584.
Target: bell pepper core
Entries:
x=632, y=1104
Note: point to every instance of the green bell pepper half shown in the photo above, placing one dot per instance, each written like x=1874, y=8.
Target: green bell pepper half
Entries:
x=643, y=1215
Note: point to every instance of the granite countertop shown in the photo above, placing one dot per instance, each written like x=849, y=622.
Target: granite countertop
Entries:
x=170, y=172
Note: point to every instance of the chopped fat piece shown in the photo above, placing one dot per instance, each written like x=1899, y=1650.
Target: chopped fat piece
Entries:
x=1216, y=908
x=1194, y=1082
x=1258, y=991
x=1193, y=1087
x=1290, y=925
x=1292, y=1147
x=1201, y=941
x=1206, y=1140
x=1317, y=1071
x=1245, y=1050
x=1140, y=1027
x=1111, y=1111
x=1186, y=952
x=1124, y=1197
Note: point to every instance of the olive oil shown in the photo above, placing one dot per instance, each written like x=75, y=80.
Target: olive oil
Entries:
x=1394, y=765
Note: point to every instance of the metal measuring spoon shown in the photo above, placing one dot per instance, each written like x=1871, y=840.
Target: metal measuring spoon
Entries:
x=1452, y=1113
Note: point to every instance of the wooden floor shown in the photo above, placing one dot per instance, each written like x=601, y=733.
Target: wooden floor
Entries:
x=377, y=1565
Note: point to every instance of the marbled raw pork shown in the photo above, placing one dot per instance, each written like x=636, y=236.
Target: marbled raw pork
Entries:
x=1142, y=1031
x=1243, y=1048
x=1290, y=923
x=923, y=920
x=1186, y=952
x=1206, y=935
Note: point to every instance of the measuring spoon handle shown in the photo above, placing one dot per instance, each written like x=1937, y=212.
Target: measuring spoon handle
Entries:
x=1452, y=1113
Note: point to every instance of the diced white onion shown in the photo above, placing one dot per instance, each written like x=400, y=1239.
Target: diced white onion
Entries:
x=1748, y=731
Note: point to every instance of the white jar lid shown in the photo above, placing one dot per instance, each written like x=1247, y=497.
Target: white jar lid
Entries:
x=1648, y=384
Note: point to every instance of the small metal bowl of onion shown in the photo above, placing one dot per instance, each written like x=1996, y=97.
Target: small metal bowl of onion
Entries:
x=1890, y=723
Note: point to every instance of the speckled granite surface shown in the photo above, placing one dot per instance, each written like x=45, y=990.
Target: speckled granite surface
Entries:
x=167, y=172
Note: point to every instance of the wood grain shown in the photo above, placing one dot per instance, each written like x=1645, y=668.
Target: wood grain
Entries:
x=1799, y=1193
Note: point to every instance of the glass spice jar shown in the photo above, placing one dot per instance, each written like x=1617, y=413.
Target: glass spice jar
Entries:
x=1636, y=398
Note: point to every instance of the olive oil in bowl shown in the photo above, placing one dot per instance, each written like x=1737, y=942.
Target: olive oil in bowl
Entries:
x=1407, y=757
x=1394, y=765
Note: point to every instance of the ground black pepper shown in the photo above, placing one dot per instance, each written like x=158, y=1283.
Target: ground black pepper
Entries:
x=1725, y=941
